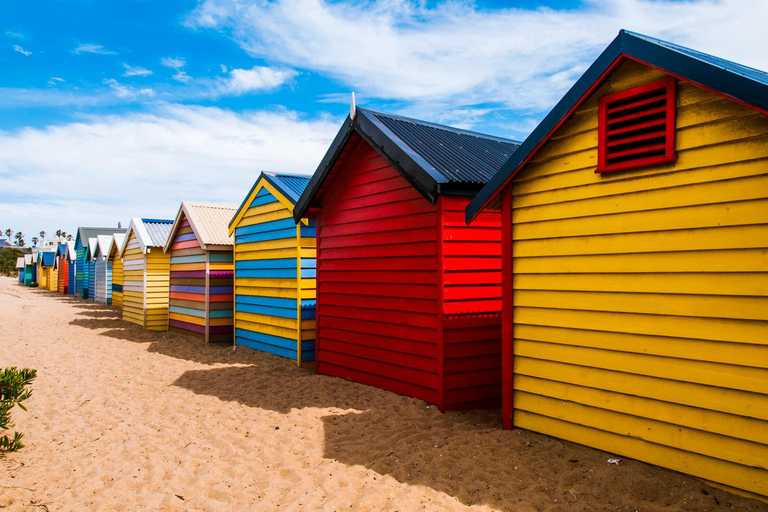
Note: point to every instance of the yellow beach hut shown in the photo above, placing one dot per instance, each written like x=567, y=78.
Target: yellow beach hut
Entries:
x=275, y=270
x=117, y=268
x=202, y=268
x=146, y=270
x=635, y=264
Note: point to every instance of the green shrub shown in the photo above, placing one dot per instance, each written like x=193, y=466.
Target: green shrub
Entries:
x=12, y=392
x=34, y=285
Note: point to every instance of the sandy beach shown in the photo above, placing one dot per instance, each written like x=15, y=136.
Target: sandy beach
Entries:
x=125, y=419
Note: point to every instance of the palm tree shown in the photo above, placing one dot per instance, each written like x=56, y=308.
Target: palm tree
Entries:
x=69, y=237
x=34, y=241
x=59, y=233
x=8, y=233
x=20, y=239
x=42, y=236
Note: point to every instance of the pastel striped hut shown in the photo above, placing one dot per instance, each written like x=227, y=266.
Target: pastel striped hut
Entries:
x=62, y=264
x=635, y=264
x=102, y=280
x=117, y=268
x=275, y=270
x=47, y=276
x=202, y=270
x=71, y=267
x=29, y=269
x=146, y=273
x=82, y=267
x=20, y=268
x=90, y=256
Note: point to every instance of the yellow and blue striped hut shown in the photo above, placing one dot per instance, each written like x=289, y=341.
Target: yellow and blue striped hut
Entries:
x=146, y=271
x=202, y=270
x=275, y=270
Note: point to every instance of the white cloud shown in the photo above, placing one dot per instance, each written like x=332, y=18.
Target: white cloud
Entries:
x=181, y=76
x=173, y=62
x=258, y=78
x=464, y=55
x=223, y=68
x=144, y=165
x=126, y=91
x=135, y=70
x=21, y=50
x=14, y=35
x=93, y=48
x=56, y=80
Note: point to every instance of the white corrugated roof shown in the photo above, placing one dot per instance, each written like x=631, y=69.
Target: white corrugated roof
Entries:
x=208, y=221
x=20, y=262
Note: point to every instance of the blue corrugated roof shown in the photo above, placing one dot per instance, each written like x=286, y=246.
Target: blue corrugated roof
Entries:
x=437, y=160
x=158, y=230
x=48, y=258
x=745, y=84
x=291, y=186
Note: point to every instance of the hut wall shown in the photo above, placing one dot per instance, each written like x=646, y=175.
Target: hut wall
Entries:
x=274, y=279
x=117, y=280
x=378, y=300
x=29, y=275
x=157, y=289
x=72, y=269
x=63, y=281
x=42, y=273
x=91, y=282
x=641, y=296
x=221, y=269
x=53, y=278
x=102, y=288
x=81, y=271
x=188, y=284
x=133, y=282
x=470, y=278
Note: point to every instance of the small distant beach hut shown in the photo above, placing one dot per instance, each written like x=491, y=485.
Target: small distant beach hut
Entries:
x=102, y=280
x=408, y=296
x=82, y=265
x=47, y=274
x=90, y=257
x=117, y=269
x=20, y=268
x=275, y=270
x=29, y=269
x=72, y=266
x=62, y=265
x=201, y=288
x=146, y=273
x=635, y=257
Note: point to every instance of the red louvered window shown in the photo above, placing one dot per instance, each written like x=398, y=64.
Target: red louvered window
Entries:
x=636, y=127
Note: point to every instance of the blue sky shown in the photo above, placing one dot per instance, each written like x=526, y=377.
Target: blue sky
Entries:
x=116, y=109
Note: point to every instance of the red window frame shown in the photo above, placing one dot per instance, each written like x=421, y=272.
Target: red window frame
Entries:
x=669, y=155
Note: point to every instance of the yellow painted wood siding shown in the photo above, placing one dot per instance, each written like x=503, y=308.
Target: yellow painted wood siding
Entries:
x=158, y=275
x=641, y=296
x=53, y=279
x=117, y=278
x=133, y=282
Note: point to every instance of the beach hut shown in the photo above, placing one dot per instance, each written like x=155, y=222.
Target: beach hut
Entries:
x=408, y=297
x=201, y=289
x=90, y=258
x=102, y=276
x=72, y=266
x=635, y=243
x=62, y=265
x=20, y=268
x=275, y=270
x=47, y=274
x=81, y=249
x=117, y=269
x=29, y=269
x=146, y=273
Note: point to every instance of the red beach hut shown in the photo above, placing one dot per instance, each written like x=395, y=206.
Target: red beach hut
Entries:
x=408, y=296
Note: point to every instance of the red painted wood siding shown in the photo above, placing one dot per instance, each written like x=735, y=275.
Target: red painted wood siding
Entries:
x=471, y=288
x=377, y=289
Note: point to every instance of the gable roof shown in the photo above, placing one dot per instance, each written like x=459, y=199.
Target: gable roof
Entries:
x=149, y=233
x=208, y=222
x=104, y=243
x=61, y=249
x=437, y=160
x=71, y=253
x=20, y=262
x=290, y=186
x=117, y=243
x=4, y=242
x=743, y=84
x=86, y=233
x=47, y=258
x=28, y=259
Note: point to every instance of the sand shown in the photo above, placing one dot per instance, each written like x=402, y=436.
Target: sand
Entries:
x=125, y=419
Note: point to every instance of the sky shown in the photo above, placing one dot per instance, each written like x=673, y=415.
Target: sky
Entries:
x=124, y=108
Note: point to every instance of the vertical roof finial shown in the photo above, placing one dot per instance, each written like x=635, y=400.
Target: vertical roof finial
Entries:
x=352, y=107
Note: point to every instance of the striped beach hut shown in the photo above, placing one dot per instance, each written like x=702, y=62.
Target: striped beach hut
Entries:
x=102, y=277
x=48, y=275
x=20, y=268
x=72, y=266
x=275, y=270
x=82, y=247
x=29, y=269
x=90, y=256
x=62, y=265
x=635, y=243
x=117, y=268
x=408, y=297
x=146, y=273
x=202, y=269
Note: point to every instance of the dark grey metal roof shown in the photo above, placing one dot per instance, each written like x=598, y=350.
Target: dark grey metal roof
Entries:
x=437, y=160
x=158, y=230
x=744, y=84
x=457, y=155
x=86, y=233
